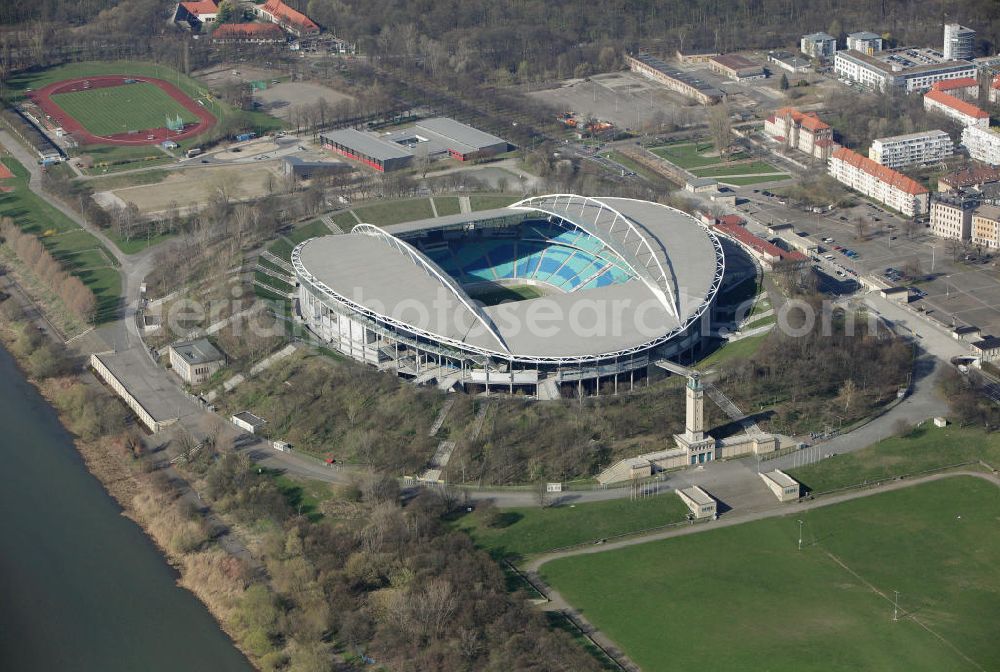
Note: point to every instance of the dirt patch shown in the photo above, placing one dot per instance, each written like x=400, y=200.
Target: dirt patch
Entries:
x=280, y=100
x=195, y=186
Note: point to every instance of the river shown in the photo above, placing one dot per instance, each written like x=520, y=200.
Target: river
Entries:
x=81, y=587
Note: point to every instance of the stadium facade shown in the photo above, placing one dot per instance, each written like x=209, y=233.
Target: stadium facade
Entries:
x=616, y=284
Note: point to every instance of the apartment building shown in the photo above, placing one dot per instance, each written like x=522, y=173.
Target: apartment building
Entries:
x=966, y=88
x=972, y=176
x=982, y=143
x=884, y=184
x=951, y=216
x=818, y=45
x=986, y=226
x=961, y=111
x=865, y=42
x=907, y=69
x=995, y=90
x=803, y=131
x=911, y=149
x=959, y=41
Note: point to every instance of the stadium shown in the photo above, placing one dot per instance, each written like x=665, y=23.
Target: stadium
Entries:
x=551, y=296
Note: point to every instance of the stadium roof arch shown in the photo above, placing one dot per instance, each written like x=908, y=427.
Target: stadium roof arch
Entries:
x=677, y=262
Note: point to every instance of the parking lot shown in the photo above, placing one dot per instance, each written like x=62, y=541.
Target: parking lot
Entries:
x=956, y=291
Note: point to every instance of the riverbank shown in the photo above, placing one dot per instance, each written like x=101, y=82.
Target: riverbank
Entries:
x=113, y=454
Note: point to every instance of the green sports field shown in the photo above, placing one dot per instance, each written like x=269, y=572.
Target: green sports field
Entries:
x=120, y=109
x=744, y=598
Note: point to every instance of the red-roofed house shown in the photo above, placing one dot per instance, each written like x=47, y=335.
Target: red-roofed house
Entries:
x=882, y=183
x=248, y=33
x=193, y=14
x=293, y=21
x=966, y=88
x=964, y=113
x=801, y=130
x=767, y=253
x=995, y=90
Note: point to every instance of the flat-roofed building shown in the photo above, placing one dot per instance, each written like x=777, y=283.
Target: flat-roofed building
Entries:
x=986, y=226
x=897, y=191
x=195, y=361
x=982, y=143
x=786, y=60
x=736, y=67
x=911, y=149
x=967, y=333
x=906, y=69
x=818, y=45
x=959, y=41
x=682, y=82
x=988, y=349
x=784, y=487
x=369, y=149
x=995, y=90
x=461, y=141
x=865, y=42
x=701, y=504
x=955, y=108
x=803, y=131
x=951, y=216
x=690, y=56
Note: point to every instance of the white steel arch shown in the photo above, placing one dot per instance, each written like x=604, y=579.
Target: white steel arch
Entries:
x=642, y=260
x=434, y=271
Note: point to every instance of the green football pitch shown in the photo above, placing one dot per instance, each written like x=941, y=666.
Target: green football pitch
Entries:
x=120, y=109
x=745, y=598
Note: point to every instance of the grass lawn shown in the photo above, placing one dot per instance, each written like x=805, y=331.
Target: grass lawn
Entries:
x=737, y=169
x=131, y=180
x=304, y=496
x=690, y=154
x=743, y=598
x=635, y=166
x=282, y=249
x=310, y=230
x=119, y=109
x=345, y=220
x=760, y=179
x=134, y=245
x=61, y=236
x=395, y=212
x=745, y=347
x=112, y=158
x=447, y=205
x=490, y=201
x=493, y=295
x=281, y=286
x=927, y=447
x=535, y=530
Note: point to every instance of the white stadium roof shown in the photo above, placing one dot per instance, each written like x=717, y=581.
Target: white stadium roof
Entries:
x=678, y=264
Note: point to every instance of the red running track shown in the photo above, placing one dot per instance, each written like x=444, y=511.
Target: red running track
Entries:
x=43, y=98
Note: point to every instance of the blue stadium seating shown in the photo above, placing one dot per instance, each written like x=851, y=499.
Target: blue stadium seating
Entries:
x=567, y=259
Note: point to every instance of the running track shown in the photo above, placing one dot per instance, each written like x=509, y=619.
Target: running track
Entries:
x=43, y=98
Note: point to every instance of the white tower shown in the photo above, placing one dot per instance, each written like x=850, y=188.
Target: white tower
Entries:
x=958, y=41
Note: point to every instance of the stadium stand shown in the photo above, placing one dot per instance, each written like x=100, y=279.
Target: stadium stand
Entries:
x=567, y=259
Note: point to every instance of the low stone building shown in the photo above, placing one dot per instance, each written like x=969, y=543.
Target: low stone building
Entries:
x=195, y=361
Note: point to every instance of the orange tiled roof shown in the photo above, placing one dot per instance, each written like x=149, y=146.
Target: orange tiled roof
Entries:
x=996, y=82
x=807, y=120
x=201, y=7
x=237, y=30
x=957, y=104
x=949, y=84
x=880, y=172
x=285, y=13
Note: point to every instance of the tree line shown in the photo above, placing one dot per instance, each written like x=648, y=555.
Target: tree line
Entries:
x=75, y=295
